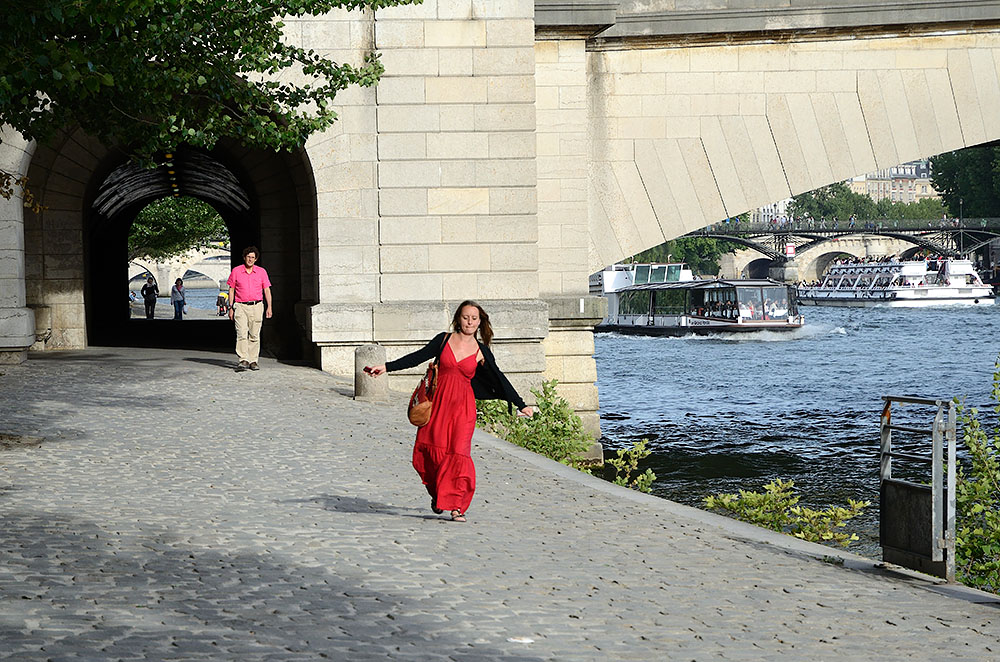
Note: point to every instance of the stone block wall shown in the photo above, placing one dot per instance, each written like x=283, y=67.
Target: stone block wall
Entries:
x=54, y=247
x=430, y=194
x=17, y=321
x=456, y=156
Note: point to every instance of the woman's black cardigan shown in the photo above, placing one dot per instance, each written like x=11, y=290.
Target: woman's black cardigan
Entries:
x=489, y=383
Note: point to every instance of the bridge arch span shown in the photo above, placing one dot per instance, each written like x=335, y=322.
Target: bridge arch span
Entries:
x=816, y=267
x=735, y=126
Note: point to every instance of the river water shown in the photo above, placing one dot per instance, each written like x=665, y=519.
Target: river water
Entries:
x=736, y=411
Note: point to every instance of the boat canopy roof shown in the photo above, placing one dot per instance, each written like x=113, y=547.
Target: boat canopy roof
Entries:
x=714, y=283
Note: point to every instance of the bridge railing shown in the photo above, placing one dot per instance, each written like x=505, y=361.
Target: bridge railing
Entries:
x=833, y=225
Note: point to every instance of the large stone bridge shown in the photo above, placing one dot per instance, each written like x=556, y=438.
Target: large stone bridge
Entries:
x=212, y=263
x=512, y=148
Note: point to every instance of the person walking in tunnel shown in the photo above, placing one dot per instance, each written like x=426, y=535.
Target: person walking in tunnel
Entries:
x=466, y=371
x=249, y=304
x=178, y=299
x=149, y=293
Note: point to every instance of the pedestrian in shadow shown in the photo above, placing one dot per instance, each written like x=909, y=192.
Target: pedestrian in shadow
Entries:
x=249, y=290
x=177, y=299
x=467, y=371
x=149, y=293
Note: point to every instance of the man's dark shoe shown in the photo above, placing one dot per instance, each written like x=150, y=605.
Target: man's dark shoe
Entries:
x=254, y=366
x=241, y=366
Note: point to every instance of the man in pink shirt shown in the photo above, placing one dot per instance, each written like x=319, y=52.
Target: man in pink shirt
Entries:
x=249, y=293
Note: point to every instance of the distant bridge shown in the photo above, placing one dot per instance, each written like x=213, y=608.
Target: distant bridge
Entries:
x=951, y=237
x=212, y=263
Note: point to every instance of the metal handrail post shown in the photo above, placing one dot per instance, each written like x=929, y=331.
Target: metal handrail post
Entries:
x=949, y=534
x=885, y=461
x=937, y=488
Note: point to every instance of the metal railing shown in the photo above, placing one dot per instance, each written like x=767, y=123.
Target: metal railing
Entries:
x=917, y=522
x=734, y=227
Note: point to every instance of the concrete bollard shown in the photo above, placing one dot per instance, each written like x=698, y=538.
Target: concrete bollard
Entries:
x=366, y=387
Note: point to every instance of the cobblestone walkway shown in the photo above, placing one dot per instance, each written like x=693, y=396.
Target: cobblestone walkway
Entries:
x=176, y=510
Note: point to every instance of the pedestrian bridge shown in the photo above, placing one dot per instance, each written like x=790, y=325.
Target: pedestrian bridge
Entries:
x=802, y=249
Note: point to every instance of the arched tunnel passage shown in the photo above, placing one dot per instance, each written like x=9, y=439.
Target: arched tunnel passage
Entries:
x=759, y=268
x=237, y=183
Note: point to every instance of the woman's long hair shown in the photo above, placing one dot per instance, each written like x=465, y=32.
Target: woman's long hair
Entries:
x=485, y=330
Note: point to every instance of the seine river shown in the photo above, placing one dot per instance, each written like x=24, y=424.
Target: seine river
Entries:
x=737, y=411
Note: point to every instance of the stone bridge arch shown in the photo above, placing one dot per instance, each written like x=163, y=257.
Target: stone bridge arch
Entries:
x=75, y=252
x=813, y=262
x=212, y=263
x=684, y=137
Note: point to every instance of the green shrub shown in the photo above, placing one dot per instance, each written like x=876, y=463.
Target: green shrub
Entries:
x=627, y=461
x=977, y=500
x=776, y=508
x=555, y=430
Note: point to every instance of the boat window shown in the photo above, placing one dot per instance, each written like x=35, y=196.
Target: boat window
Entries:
x=657, y=274
x=669, y=302
x=750, y=303
x=717, y=302
x=673, y=273
x=776, y=303
x=634, y=303
x=641, y=274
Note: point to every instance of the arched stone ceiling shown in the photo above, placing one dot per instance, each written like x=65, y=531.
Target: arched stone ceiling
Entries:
x=187, y=172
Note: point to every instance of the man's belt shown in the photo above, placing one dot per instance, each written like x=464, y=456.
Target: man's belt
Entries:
x=251, y=303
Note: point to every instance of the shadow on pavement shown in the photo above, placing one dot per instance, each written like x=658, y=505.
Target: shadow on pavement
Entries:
x=106, y=595
x=228, y=364
x=357, y=505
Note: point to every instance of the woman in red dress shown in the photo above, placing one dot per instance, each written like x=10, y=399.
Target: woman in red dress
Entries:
x=467, y=371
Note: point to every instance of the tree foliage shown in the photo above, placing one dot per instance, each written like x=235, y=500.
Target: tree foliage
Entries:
x=173, y=226
x=148, y=75
x=977, y=499
x=838, y=201
x=969, y=180
x=700, y=253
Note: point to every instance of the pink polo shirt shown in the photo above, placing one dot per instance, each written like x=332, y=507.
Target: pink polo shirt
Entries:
x=248, y=286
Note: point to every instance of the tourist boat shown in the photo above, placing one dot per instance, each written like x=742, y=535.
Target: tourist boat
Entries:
x=899, y=283
x=666, y=299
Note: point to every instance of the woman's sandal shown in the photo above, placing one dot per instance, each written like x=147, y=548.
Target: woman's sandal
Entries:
x=434, y=506
x=457, y=516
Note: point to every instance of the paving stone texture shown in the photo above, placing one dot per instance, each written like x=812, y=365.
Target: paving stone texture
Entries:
x=177, y=510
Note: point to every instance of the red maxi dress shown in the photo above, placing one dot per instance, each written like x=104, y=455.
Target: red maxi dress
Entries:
x=442, y=452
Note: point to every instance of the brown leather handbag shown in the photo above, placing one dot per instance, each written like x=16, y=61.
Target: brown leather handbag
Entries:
x=418, y=411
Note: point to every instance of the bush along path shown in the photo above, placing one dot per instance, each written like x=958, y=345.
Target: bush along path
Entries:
x=556, y=432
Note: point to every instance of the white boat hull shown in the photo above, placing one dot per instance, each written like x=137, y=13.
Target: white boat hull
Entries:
x=682, y=325
x=899, y=302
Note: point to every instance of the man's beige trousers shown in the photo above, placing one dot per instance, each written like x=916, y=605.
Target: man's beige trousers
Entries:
x=248, y=318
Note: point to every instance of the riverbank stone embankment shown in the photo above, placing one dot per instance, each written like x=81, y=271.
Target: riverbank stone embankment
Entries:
x=176, y=510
